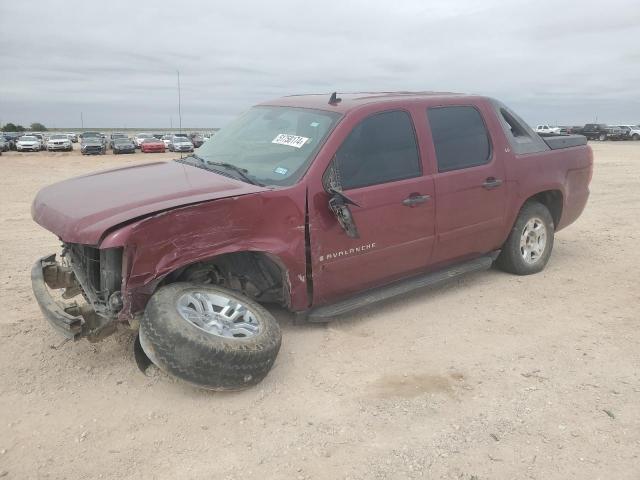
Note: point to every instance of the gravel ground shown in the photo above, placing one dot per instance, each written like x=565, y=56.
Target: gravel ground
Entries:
x=493, y=377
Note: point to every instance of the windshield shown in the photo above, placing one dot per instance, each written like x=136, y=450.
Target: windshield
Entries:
x=59, y=137
x=273, y=145
x=28, y=139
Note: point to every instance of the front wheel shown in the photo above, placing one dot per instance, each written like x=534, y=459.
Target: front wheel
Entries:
x=528, y=247
x=209, y=336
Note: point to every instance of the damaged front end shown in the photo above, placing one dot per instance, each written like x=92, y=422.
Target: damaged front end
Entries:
x=92, y=279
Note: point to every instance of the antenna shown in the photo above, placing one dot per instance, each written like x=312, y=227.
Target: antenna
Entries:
x=334, y=100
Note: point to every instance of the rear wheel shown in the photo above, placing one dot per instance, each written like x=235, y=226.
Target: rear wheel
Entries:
x=528, y=247
x=209, y=336
x=635, y=136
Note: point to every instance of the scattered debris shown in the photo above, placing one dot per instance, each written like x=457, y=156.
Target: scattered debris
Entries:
x=534, y=374
x=494, y=436
x=60, y=345
x=609, y=412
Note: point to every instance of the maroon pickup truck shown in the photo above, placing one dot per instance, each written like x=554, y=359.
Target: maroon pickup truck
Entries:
x=318, y=203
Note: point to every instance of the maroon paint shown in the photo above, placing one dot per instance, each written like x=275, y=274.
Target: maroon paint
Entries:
x=170, y=215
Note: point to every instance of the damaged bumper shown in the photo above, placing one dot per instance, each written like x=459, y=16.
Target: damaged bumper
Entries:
x=71, y=320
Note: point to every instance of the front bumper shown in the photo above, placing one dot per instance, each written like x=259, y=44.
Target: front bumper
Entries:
x=65, y=319
x=61, y=146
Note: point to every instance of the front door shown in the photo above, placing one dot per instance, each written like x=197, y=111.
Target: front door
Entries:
x=470, y=184
x=378, y=166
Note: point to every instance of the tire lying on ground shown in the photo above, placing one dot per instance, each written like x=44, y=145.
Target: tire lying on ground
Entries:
x=528, y=247
x=209, y=336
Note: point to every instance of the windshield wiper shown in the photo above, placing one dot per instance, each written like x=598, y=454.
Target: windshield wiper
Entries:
x=239, y=170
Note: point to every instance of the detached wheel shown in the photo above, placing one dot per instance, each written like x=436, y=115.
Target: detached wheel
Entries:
x=209, y=336
x=528, y=247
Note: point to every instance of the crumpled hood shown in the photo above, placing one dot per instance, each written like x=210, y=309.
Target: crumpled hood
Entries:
x=82, y=209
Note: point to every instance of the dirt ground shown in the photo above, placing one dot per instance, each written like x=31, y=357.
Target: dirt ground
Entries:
x=493, y=377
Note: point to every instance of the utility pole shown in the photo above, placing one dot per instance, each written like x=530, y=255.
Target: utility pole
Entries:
x=179, y=102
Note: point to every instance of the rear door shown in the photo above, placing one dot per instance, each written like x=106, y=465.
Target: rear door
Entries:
x=379, y=167
x=469, y=183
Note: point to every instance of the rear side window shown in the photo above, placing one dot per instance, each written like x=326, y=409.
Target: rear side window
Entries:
x=380, y=149
x=459, y=136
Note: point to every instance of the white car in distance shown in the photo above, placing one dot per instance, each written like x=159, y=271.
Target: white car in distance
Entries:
x=28, y=142
x=59, y=142
x=141, y=137
x=547, y=129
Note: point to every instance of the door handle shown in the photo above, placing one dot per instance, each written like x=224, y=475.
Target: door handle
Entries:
x=415, y=199
x=491, y=183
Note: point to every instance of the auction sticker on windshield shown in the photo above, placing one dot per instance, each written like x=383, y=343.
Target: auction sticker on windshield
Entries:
x=290, y=140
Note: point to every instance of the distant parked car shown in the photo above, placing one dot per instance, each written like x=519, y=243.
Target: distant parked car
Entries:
x=115, y=136
x=84, y=135
x=150, y=145
x=3, y=145
x=196, y=139
x=11, y=138
x=167, y=140
x=28, y=142
x=6, y=143
x=141, y=137
x=40, y=137
x=602, y=132
x=123, y=145
x=547, y=129
x=59, y=142
x=158, y=135
x=631, y=132
x=93, y=145
x=72, y=136
x=180, y=144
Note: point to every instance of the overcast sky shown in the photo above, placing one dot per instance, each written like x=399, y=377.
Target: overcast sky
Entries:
x=552, y=61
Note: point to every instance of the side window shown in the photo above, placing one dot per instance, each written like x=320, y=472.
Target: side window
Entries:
x=382, y=148
x=459, y=136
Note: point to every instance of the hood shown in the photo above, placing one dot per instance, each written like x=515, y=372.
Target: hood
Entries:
x=82, y=209
x=92, y=141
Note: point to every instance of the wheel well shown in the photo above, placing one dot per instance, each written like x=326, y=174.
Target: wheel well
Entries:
x=552, y=199
x=258, y=275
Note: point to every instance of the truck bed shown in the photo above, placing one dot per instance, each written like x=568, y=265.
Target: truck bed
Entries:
x=556, y=142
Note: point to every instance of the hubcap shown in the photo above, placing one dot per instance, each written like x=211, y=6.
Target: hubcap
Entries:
x=218, y=315
x=533, y=240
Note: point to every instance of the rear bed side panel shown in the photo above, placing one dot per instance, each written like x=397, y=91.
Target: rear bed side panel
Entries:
x=270, y=222
x=567, y=171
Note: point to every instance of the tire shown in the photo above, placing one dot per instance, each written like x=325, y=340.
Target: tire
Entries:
x=202, y=358
x=512, y=256
x=635, y=137
x=602, y=137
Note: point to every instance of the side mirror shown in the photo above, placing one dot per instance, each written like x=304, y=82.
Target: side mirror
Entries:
x=339, y=205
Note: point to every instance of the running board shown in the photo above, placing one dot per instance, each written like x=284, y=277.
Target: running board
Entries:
x=326, y=313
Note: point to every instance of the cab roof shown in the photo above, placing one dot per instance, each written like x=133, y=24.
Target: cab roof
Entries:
x=351, y=101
